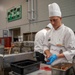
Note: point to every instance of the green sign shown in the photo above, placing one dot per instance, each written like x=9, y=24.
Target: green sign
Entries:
x=14, y=13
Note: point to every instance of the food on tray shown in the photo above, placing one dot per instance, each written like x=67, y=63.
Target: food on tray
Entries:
x=62, y=66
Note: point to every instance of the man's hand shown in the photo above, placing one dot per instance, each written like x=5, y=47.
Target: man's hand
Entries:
x=51, y=59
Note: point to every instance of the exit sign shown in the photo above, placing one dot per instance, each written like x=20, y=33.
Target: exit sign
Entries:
x=14, y=13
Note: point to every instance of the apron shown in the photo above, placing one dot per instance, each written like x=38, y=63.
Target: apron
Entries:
x=58, y=50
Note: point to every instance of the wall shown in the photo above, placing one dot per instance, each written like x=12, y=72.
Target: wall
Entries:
x=67, y=8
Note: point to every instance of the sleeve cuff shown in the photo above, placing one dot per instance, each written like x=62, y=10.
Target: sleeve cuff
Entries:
x=45, y=48
x=68, y=55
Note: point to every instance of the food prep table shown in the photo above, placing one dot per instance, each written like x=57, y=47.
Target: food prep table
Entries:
x=6, y=59
x=19, y=51
x=48, y=70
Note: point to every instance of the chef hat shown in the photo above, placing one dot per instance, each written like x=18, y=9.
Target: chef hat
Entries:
x=54, y=10
x=49, y=26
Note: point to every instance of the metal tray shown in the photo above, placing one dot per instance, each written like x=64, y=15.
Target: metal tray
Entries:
x=63, y=69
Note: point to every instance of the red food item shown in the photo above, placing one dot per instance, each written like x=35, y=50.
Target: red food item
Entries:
x=46, y=68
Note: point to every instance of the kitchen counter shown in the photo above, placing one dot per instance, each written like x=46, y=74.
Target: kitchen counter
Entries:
x=44, y=70
x=8, y=58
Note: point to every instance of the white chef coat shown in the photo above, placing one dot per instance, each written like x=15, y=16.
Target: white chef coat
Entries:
x=39, y=39
x=64, y=36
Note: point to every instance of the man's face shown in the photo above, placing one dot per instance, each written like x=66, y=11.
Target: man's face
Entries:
x=55, y=21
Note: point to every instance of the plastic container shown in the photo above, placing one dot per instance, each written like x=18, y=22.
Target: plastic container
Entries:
x=25, y=66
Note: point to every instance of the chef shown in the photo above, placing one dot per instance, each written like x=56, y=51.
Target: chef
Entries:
x=38, y=43
x=59, y=44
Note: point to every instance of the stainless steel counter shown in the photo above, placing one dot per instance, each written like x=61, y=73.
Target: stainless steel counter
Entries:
x=8, y=58
x=5, y=60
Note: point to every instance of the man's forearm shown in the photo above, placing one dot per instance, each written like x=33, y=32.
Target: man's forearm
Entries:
x=60, y=55
x=48, y=54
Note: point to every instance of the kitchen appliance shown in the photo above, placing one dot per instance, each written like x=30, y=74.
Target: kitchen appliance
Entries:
x=25, y=66
x=63, y=69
